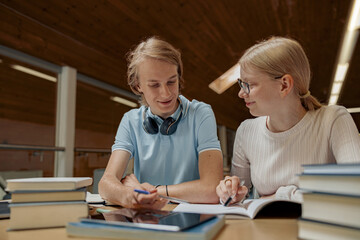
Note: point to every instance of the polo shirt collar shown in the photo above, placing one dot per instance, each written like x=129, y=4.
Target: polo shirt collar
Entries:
x=159, y=120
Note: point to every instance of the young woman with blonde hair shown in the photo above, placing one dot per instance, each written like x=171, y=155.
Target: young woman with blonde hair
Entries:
x=292, y=128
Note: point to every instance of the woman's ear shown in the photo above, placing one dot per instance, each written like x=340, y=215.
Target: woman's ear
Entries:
x=287, y=85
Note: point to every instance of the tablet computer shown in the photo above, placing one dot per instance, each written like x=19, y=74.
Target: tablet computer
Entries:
x=150, y=219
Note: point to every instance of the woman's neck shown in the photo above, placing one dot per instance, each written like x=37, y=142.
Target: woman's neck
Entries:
x=285, y=119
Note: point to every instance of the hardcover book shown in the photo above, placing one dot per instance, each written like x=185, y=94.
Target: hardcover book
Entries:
x=46, y=214
x=330, y=183
x=332, y=208
x=332, y=168
x=48, y=183
x=85, y=228
x=331, y=201
x=317, y=230
x=48, y=195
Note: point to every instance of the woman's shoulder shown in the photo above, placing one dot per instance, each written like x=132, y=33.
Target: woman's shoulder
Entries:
x=331, y=112
x=252, y=123
x=328, y=115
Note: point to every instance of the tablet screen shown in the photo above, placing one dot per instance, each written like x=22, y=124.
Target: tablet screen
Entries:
x=152, y=219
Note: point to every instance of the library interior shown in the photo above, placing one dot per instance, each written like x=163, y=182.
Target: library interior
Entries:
x=64, y=89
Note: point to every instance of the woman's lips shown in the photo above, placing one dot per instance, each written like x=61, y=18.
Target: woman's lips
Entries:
x=249, y=103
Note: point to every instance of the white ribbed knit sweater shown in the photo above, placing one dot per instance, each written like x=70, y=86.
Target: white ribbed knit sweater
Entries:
x=271, y=161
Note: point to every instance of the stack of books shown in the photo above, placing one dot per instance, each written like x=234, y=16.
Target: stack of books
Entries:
x=331, y=206
x=47, y=202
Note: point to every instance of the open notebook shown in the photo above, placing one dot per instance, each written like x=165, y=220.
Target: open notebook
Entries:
x=248, y=209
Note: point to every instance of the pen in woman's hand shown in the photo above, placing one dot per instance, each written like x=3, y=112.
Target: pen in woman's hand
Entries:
x=227, y=202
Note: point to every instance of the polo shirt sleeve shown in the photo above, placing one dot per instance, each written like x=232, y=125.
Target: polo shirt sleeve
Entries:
x=206, y=129
x=123, y=137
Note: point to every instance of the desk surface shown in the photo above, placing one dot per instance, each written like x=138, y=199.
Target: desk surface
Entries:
x=234, y=229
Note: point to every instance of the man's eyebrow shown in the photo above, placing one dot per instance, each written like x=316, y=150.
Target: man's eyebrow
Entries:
x=152, y=80
x=174, y=76
x=170, y=78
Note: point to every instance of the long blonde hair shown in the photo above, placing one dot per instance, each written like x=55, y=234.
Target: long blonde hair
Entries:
x=156, y=48
x=278, y=56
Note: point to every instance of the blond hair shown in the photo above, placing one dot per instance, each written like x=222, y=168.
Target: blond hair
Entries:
x=278, y=56
x=155, y=48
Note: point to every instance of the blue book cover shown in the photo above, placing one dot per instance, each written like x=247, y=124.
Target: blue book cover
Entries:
x=332, y=168
x=204, y=231
x=330, y=183
x=4, y=209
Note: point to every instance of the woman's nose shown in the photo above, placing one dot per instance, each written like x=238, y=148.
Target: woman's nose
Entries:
x=242, y=93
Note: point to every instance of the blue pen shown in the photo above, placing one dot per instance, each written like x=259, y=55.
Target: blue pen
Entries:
x=141, y=191
x=172, y=199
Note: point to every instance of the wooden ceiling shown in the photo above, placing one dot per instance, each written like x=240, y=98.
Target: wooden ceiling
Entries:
x=93, y=36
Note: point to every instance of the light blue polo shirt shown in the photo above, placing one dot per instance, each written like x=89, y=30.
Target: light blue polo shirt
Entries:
x=173, y=159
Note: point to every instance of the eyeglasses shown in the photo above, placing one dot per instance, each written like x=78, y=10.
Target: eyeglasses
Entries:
x=246, y=86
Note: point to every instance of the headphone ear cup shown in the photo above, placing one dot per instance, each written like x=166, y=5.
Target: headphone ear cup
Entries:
x=168, y=127
x=150, y=126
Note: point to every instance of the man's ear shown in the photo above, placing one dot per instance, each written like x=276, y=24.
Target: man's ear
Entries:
x=138, y=88
x=287, y=85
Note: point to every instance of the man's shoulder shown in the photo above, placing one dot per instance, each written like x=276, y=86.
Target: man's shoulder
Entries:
x=135, y=111
x=133, y=114
x=194, y=106
x=192, y=103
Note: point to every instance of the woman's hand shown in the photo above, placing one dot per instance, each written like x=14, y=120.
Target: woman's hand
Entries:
x=231, y=187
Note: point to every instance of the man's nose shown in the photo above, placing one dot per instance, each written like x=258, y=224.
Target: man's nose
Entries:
x=165, y=91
